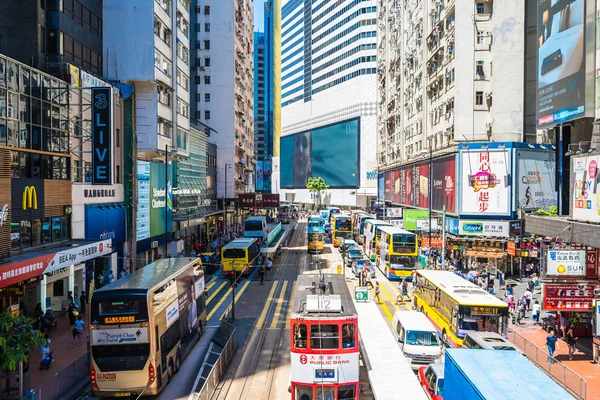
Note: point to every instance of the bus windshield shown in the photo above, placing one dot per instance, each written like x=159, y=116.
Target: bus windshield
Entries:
x=343, y=224
x=107, y=308
x=422, y=338
x=404, y=243
x=234, y=253
x=401, y=262
x=253, y=226
x=315, y=237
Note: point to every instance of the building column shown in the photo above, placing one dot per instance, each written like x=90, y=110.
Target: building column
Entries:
x=71, y=279
x=43, y=292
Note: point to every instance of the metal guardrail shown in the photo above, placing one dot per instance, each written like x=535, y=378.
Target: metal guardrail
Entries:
x=70, y=380
x=211, y=373
x=564, y=376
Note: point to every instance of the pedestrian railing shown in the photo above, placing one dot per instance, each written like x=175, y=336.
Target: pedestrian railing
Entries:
x=563, y=375
x=67, y=382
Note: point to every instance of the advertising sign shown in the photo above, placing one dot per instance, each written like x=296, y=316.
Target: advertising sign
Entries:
x=247, y=200
x=412, y=216
x=422, y=180
x=452, y=226
x=101, y=136
x=27, y=198
x=565, y=263
x=536, y=175
x=79, y=254
x=260, y=186
x=586, y=204
x=267, y=173
x=89, y=81
x=591, y=264
x=120, y=336
x=568, y=297
x=305, y=366
x=172, y=312
x=74, y=74
x=511, y=248
x=270, y=200
x=484, y=182
x=561, y=61
x=143, y=211
x=105, y=223
x=160, y=197
x=444, y=184
x=394, y=212
x=24, y=270
x=484, y=228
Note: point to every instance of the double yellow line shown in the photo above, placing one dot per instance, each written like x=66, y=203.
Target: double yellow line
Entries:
x=225, y=297
x=279, y=300
x=392, y=300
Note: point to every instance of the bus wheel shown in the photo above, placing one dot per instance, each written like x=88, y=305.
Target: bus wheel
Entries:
x=177, y=362
x=170, y=370
x=422, y=310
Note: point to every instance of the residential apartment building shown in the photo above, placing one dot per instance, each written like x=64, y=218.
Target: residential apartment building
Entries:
x=439, y=82
x=259, y=99
x=328, y=94
x=44, y=34
x=223, y=74
x=155, y=59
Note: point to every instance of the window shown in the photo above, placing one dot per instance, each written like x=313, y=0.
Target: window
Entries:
x=207, y=45
x=300, y=336
x=479, y=70
x=207, y=27
x=182, y=139
x=183, y=53
x=183, y=108
x=118, y=137
x=118, y=174
x=207, y=61
x=164, y=95
x=324, y=337
x=479, y=98
x=480, y=37
x=480, y=8
x=207, y=97
x=206, y=10
x=348, y=336
x=206, y=114
x=183, y=80
x=164, y=127
x=347, y=392
x=207, y=79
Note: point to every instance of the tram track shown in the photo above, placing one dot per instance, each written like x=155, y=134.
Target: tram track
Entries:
x=255, y=374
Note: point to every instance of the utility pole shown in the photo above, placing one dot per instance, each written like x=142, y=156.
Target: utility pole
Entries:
x=521, y=244
x=430, y=190
x=443, y=236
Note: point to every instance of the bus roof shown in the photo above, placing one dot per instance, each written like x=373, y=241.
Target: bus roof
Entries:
x=374, y=221
x=240, y=243
x=460, y=289
x=315, y=217
x=257, y=218
x=336, y=284
x=341, y=216
x=393, y=230
x=152, y=275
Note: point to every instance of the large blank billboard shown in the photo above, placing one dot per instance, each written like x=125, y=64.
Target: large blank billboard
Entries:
x=330, y=152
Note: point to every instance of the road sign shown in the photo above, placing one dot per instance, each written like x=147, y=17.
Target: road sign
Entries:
x=361, y=293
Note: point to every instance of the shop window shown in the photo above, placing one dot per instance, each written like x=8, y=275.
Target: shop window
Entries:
x=300, y=336
x=46, y=230
x=324, y=337
x=57, y=233
x=58, y=288
x=348, y=336
x=25, y=234
x=15, y=236
x=36, y=232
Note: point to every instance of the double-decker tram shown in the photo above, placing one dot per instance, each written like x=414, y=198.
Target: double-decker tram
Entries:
x=315, y=233
x=324, y=340
x=341, y=228
x=143, y=325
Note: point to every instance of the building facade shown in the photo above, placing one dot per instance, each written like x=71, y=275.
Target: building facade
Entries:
x=328, y=94
x=222, y=50
x=260, y=141
x=156, y=61
x=45, y=34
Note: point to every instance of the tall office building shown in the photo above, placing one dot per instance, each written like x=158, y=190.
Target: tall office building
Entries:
x=44, y=34
x=328, y=97
x=147, y=44
x=222, y=48
x=259, y=107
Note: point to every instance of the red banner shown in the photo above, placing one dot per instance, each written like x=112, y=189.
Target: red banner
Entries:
x=437, y=241
x=423, y=185
x=24, y=270
x=247, y=200
x=444, y=184
x=511, y=248
x=591, y=264
x=270, y=200
x=568, y=297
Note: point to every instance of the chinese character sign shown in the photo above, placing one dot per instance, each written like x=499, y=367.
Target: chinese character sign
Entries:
x=585, y=189
x=484, y=175
x=566, y=263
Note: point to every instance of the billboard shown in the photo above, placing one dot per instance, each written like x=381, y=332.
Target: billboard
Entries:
x=411, y=217
x=568, y=297
x=484, y=228
x=586, y=204
x=154, y=194
x=422, y=181
x=103, y=223
x=101, y=136
x=267, y=173
x=330, y=152
x=536, y=180
x=562, y=48
x=484, y=182
x=566, y=263
x=444, y=184
x=260, y=170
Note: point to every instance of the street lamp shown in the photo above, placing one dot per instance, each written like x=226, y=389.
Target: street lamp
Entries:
x=173, y=151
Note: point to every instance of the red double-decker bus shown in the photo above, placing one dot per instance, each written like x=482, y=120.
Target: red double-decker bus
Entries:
x=324, y=340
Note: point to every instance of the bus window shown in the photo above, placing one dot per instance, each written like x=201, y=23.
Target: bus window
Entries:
x=234, y=253
x=325, y=393
x=303, y=392
x=348, y=336
x=324, y=336
x=121, y=358
x=300, y=336
x=347, y=392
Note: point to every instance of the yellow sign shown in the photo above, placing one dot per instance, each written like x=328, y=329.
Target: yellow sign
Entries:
x=74, y=72
x=29, y=199
x=119, y=320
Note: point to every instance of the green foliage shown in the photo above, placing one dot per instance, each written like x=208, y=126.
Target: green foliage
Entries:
x=17, y=336
x=551, y=212
x=316, y=185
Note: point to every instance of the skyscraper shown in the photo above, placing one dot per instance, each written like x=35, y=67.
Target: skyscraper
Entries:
x=328, y=100
x=259, y=108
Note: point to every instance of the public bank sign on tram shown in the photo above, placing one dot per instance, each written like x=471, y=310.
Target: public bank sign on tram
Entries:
x=324, y=367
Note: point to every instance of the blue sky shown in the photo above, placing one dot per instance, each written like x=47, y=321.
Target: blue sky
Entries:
x=259, y=10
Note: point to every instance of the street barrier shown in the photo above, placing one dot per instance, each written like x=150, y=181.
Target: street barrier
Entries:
x=66, y=383
x=563, y=375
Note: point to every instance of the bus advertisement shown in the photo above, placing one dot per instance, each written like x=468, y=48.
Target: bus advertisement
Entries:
x=341, y=228
x=370, y=236
x=142, y=327
x=316, y=233
x=398, y=251
x=456, y=306
x=359, y=228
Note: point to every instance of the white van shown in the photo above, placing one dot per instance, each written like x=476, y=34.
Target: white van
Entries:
x=417, y=338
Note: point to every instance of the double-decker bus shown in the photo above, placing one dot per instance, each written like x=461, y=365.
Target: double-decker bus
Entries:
x=143, y=325
x=315, y=233
x=359, y=227
x=397, y=251
x=239, y=257
x=324, y=340
x=341, y=228
x=455, y=306
x=371, y=235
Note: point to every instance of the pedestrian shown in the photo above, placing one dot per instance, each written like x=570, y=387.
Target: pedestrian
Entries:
x=552, y=344
x=531, y=285
x=269, y=265
x=528, y=296
x=78, y=329
x=528, y=269
x=571, y=341
x=111, y=277
x=537, y=310
x=510, y=291
x=261, y=274
x=367, y=279
x=377, y=293
x=70, y=298
x=520, y=312
x=563, y=322
x=403, y=291
x=71, y=311
x=83, y=301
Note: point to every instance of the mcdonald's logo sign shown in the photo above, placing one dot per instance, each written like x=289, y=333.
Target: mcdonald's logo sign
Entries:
x=29, y=199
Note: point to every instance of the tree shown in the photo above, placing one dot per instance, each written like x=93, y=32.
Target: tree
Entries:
x=17, y=336
x=317, y=186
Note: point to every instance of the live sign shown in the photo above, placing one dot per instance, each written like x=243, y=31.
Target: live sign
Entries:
x=361, y=293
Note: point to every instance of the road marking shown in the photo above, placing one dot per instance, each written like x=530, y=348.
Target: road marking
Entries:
x=211, y=283
x=279, y=304
x=237, y=298
x=289, y=313
x=216, y=307
x=212, y=296
x=263, y=314
x=390, y=298
x=383, y=306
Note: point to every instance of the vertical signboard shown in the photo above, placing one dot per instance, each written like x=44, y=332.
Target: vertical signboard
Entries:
x=484, y=182
x=536, y=180
x=101, y=136
x=422, y=181
x=585, y=189
x=260, y=186
x=444, y=184
x=143, y=210
x=160, y=197
x=267, y=173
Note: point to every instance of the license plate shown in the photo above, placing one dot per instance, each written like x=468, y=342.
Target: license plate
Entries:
x=123, y=394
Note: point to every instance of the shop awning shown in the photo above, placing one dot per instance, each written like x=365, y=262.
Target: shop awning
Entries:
x=485, y=254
